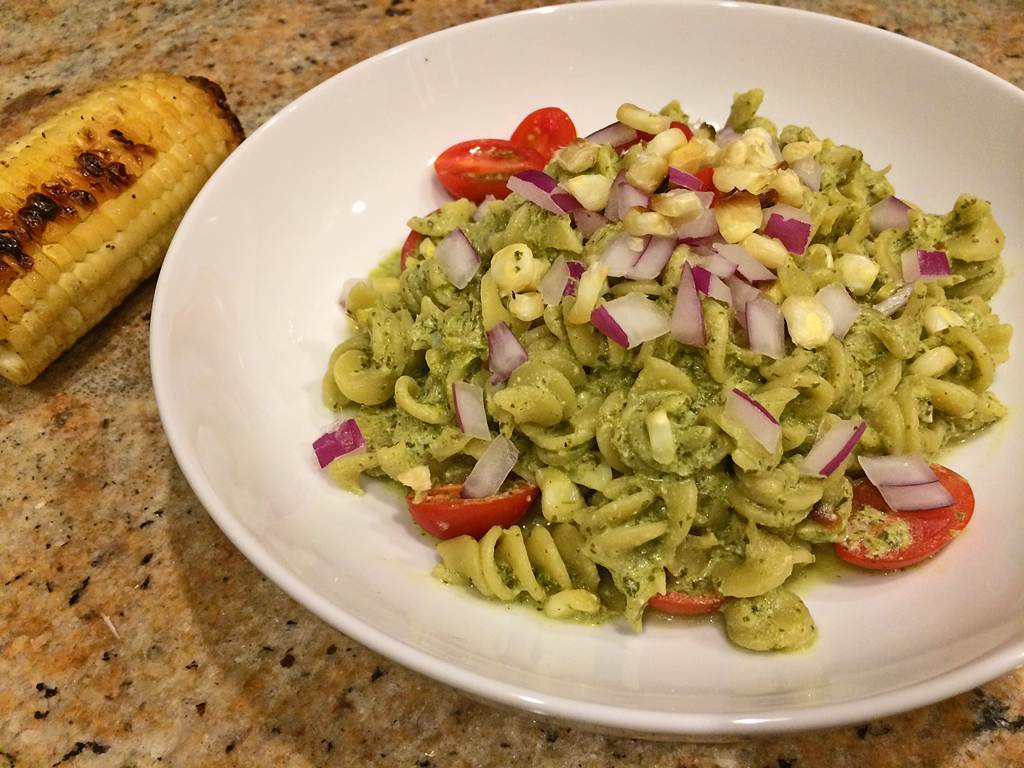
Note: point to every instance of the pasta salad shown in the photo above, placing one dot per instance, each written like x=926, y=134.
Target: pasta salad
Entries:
x=651, y=373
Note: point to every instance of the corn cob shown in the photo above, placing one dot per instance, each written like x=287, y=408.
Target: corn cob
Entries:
x=89, y=202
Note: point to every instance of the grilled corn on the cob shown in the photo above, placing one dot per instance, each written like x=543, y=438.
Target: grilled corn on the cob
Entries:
x=89, y=202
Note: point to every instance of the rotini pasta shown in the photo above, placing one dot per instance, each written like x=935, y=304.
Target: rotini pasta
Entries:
x=652, y=480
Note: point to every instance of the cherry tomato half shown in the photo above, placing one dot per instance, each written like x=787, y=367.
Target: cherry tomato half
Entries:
x=930, y=530
x=444, y=514
x=683, y=604
x=409, y=247
x=475, y=169
x=545, y=131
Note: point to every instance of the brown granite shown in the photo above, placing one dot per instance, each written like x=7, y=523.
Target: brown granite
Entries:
x=132, y=633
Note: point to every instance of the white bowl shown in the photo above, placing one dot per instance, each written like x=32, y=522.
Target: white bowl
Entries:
x=246, y=314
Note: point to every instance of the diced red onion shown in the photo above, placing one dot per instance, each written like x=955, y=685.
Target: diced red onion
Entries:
x=766, y=327
x=752, y=270
x=544, y=190
x=889, y=213
x=687, y=323
x=653, y=260
x=926, y=266
x=588, y=222
x=917, y=498
x=630, y=320
x=615, y=134
x=491, y=469
x=831, y=450
x=481, y=210
x=457, y=257
x=900, y=469
x=791, y=226
x=621, y=252
x=576, y=271
x=622, y=196
x=906, y=482
x=680, y=178
x=896, y=302
x=711, y=285
x=505, y=352
x=716, y=263
x=346, y=289
x=470, y=411
x=552, y=286
x=754, y=417
x=341, y=439
x=843, y=308
x=742, y=294
x=726, y=134
x=809, y=171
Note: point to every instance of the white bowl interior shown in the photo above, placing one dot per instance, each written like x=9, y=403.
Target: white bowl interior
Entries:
x=246, y=314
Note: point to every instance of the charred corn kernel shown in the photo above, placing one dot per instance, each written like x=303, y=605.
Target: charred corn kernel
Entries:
x=578, y=155
x=939, y=319
x=749, y=178
x=591, y=190
x=647, y=171
x=738, y=216
x=642, y=120
x=935, y=362
x=89, y=201
x=689, y=157
x=640, y=222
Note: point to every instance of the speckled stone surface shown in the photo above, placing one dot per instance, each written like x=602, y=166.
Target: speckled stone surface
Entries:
x=132, y=633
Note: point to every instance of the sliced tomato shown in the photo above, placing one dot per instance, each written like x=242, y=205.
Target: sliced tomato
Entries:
x=409, y=247
x=929, y=530
x=475, y=169
x=683, y=604
x=545, y=131
x=445, y=515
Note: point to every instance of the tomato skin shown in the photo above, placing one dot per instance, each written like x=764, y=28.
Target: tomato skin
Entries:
x=481, y=167
x=683, y=604
x=930, y=530
x=545, y=131
x=444, y=514
x=409, y=247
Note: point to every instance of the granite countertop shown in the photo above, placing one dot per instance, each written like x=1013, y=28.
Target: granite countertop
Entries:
x=132, y=633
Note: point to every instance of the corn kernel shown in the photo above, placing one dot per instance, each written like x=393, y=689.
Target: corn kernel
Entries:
x=641, y=119
x=526, y=306
x=808, y=321
x=667, y=141
x=514, y=268
x=738, y=216
x=680, y=204
x=934, y=362
x=640, y=222
x=647, y=171
x=939, y=319
x=591, y=190
x=857, y=272
x=767, y=250
x=659, y=432
x=578, y=155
